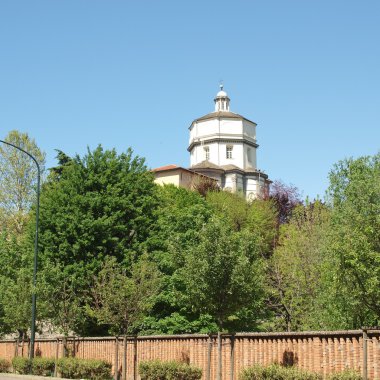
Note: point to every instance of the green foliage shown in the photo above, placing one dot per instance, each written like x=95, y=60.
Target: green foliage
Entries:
x=355, y=238
x=122, y=300
x=277, y=372
x=94, y=207
x=223, y=275
x=18, y=181
x=231, y=207
x=119, y=254
x=16, y=301
x=180, y=215
x=101, y=205
x=21, y=365
x=43, y=366
x=4, y=365
x=59, y=300
x=296, y=269
x=73, y=368
x=262, y=220
x=179, y=323
x=259, y=217
x=347, y=374
x=156, y=370
x=15, y=284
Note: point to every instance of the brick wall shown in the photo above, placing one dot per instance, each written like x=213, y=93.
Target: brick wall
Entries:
x=322, y=352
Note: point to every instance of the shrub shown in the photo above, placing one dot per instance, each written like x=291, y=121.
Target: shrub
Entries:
x=4, y=365
x=43, y=366
x=156, y=370
x=348, y=374
x=74, y=368
x=277, y=372
x=21, y=365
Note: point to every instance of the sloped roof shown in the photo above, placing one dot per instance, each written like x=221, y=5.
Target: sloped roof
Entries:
x=231, y=167
x=206, y=165
x=222, y=114
x=166, y=167
x=225, y=168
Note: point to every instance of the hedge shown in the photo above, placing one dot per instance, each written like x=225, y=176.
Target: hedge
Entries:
x=21, y=365
x=4, y=365
x=277, y=372
x=43, y=366
x=74, y=368
x=348, y=374
x=156, y=370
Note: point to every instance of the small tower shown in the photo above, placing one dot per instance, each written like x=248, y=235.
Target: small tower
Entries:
x=223, y=146
x=222, y=101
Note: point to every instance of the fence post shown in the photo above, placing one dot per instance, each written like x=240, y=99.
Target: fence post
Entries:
x=64, y=347
x=16, y=348
x=56, y=356
x=219, y=374
x=116, y=374
x=125, y=358
x=365, y=354
x=209, y=349
x=135, y=358
x=232, y=358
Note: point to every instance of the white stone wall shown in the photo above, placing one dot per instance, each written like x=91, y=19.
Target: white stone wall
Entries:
x=254, y=187
x=216, y=128
x=249, y=129
x=243, y=155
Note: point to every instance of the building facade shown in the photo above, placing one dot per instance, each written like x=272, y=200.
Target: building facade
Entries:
x=178, y=176
x=223, y=146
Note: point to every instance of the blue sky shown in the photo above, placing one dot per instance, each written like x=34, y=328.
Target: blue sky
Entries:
x=78, y=73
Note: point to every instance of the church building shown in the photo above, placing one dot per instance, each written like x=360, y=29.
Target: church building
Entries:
x=223, y=147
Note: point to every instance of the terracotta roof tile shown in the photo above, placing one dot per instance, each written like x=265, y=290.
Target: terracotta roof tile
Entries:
x=166, y=167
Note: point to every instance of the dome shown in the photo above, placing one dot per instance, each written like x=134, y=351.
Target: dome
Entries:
x=221, y=93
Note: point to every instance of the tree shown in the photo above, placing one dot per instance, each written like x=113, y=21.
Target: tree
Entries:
x=286, y=198
x=262, y=219
x=297, y=267
x=121, y=299
x=204, y=185
x=18, y=181
x=223, y=275
x=97, y=206
x=62, y=302
x=15, y=284
x=101, y=205
x=258, y=216
x=180, y=214
x=231, y=206
x=355, y=236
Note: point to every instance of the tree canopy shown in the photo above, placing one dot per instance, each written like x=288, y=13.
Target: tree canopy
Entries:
x=355, y=196
x=119, y=254
x=18, y=180
x=95, y=207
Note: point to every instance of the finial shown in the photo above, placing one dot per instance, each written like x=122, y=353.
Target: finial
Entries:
x=221, y=85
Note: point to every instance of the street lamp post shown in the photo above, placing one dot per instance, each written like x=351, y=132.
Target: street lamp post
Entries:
x=34, y=296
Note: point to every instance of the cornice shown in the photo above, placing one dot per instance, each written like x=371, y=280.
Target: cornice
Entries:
x=222, y=139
